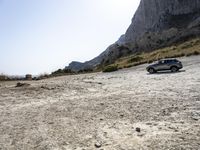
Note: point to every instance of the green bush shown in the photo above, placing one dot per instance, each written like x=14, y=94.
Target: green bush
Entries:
x=110, y=68
x=59, y=71
x=62, y=72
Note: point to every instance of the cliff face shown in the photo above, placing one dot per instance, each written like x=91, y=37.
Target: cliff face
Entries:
x=156, y=23
x=159, y=15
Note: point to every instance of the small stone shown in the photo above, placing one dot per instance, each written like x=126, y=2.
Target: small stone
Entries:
x=195, y=117
x=138, y=129
x=140, y=134
x=175, y=130
x=12, y=142
x=149, y=123
x=97, y=145
x=22, y=84
x=122, y=115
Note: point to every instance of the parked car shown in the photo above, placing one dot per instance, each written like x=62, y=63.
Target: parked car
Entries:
x=167, y=64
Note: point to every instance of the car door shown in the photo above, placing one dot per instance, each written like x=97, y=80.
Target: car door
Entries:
x=166, y=65
x=161, y=65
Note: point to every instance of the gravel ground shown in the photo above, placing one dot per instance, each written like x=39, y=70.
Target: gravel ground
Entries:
x=125, y=110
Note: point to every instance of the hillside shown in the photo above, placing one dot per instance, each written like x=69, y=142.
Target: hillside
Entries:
x=188, y=48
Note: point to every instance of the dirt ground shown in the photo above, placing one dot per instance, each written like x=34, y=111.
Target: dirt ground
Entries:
x=125, y=110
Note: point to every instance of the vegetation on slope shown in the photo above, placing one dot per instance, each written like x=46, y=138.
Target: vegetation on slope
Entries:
x=188, y=48
x=110, y=68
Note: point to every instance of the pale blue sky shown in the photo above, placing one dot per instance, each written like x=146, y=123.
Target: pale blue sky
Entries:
x=40, y=36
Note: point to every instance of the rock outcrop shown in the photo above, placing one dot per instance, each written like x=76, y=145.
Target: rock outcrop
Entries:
x=156, y=24
x=159, y=15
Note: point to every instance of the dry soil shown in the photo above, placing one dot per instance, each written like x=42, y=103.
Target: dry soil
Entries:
x=125, y=110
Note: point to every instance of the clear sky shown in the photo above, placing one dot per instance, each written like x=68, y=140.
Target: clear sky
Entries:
x=40, y=36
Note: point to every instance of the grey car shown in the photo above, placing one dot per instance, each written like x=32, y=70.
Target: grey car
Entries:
x=167, y=64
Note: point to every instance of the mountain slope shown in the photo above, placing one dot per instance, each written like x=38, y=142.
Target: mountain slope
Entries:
x=156, y=24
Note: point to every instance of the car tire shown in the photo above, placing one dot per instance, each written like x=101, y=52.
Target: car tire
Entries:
x=174, y=69
x=151, y=70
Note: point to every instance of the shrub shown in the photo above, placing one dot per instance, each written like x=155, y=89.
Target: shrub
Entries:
x=110, y=68
x=42, y=76
x=160, y=41
x=150, y=61
x=135, y=59
x=61, y=72
x=67, y=71
x=3, y=77
x=189, y=54
x=139, y=63
x=128, y=66
x=186, y=45
x=196, y=53
x=193, y=53
x=88, y=70
x=58, y=71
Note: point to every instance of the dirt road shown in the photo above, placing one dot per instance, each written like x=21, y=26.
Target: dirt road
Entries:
x=124, y=110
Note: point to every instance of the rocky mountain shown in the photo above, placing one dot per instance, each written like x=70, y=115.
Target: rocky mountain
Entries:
x=156, y=24
x=77, y=66
x=159, y=15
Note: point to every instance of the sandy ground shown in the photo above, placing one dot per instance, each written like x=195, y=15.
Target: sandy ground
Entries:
x=104, y=110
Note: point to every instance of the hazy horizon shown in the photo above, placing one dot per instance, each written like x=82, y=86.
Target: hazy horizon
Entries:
x=41, y=36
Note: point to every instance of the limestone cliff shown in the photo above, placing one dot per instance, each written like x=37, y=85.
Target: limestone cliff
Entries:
x=161, y=15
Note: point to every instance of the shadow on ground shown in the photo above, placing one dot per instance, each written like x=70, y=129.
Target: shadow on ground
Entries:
x=166, y=72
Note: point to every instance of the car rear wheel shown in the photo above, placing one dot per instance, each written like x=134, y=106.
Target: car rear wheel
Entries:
x=174, y=69
x=151, y=70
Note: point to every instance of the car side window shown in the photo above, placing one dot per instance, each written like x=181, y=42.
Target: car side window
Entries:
x=161, y=62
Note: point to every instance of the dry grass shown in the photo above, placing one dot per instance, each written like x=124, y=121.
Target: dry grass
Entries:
x=188, y=48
